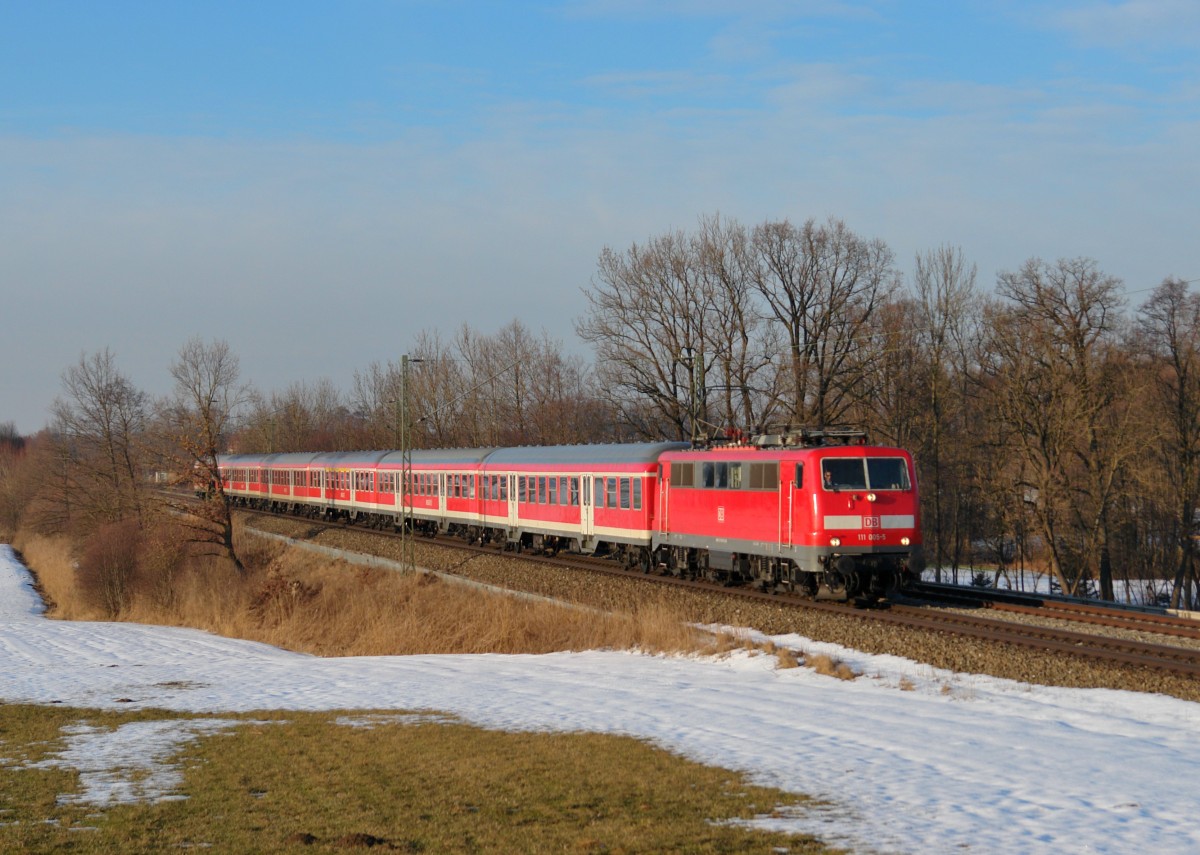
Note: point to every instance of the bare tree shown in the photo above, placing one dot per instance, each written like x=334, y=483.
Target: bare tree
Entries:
x=1059, y=378
x=947, y=303
x=304, y=417
x=645, y=321
x=98, y=423
x=1170, y=325
x=823, y=285
x=744, y=371
x=200, y=413
x=682, y=344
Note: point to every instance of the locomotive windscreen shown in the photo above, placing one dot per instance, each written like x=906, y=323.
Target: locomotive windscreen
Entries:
x=856, y=473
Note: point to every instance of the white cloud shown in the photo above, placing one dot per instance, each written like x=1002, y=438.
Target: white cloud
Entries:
x=1148, y=24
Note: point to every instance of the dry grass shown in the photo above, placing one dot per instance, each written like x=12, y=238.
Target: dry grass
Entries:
x=295, y=599
x=330, y=608
x=301, y=782
x=54, y=562
x=831, y=667
x=786, y=659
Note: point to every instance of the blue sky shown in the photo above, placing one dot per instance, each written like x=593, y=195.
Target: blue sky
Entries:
x=318, y=182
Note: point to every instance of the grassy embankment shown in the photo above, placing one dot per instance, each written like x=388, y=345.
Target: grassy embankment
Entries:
x=301, y=601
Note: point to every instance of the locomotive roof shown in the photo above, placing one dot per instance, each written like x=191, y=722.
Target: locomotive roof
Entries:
x=786, y=452
x=625, y=452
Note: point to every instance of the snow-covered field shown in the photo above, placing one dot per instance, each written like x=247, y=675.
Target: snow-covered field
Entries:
x=913, y=759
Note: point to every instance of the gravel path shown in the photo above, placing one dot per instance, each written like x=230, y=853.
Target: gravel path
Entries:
x=622, y=594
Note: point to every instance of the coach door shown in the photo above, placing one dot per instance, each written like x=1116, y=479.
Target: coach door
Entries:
x=798, y=507
x=587, y=512
x=512, y=500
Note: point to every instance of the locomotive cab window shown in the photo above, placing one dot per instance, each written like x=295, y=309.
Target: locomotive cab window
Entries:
x=876, y=473
x=887, y=473
x=843, y=473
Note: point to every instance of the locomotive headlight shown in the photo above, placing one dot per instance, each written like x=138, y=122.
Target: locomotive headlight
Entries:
x=904, y=541
x=870, y=497
x=835, y=541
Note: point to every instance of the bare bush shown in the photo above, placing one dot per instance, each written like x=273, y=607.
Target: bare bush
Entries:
x=108, y=565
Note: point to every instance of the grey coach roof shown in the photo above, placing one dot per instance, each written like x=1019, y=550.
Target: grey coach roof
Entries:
x=600, y=453
x=633, y=452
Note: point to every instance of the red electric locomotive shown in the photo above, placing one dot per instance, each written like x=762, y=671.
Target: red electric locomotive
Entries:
x=814, y=511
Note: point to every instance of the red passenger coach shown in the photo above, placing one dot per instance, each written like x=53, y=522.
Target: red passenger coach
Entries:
x=582, y=497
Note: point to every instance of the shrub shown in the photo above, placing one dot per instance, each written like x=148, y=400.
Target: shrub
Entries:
x=106, y=570
x=161, y=555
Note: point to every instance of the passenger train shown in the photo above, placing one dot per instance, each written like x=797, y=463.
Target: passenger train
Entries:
x=819, y=512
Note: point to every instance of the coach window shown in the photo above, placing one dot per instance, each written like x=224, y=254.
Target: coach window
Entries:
x=574, y=488
x=637, y=494
x=521, y=489
x=610, y=492
x=708, y=475
x=624, y=494
x=554, y=491
x=541, y=494
x=598, y=493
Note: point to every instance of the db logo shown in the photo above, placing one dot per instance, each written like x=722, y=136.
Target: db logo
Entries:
x=870, y=522
x=720, y=514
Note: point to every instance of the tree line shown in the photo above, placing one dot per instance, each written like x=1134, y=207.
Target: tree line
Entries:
x=1055, y=426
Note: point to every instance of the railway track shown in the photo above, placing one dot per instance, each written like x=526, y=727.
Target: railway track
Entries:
x=1115, y=616
x=1093, y=646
